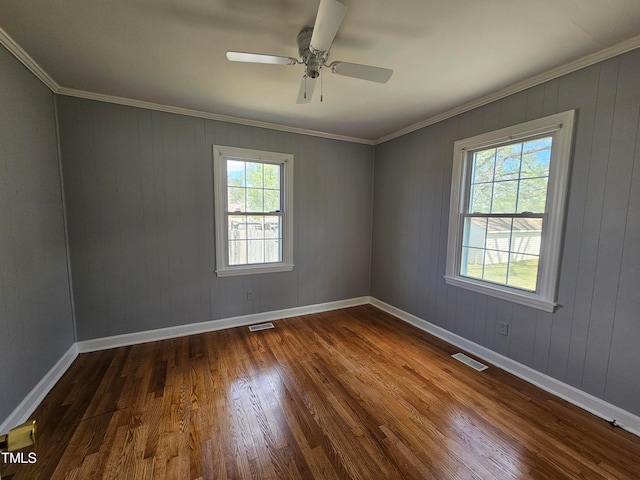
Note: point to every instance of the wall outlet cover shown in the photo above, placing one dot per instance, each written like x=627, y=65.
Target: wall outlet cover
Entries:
x=503, y=328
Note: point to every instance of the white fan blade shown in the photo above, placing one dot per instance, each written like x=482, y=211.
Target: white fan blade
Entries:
x=364, y=72
x=306, y=89
x=260, y=58
x=328, y=20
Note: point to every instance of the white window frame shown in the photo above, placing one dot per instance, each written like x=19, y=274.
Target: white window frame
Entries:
x=560, y=126
x=220, y=154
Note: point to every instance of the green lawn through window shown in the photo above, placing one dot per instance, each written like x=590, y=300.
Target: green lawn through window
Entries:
x=521, y=274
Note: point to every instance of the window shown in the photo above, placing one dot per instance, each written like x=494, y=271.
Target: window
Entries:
x=508, y=195
x=253, y=211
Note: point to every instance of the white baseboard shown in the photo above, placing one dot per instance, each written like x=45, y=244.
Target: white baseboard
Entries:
x=213, y=325
x=32, y=400
x=23, y=411
x=586, y=401
x=597, y=406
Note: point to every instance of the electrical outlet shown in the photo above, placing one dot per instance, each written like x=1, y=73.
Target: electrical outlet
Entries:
x=503, y=328
x=249, y=295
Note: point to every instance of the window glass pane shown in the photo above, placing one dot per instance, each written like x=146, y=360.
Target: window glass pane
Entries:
x=272, y=251
x=254, y=175
x=511, y=254
x=472, y=261
x=250, y=217
x=237, y=227
x=496, y=256
x=526, y=235
x=272, y=227
x=498, y=234
x=483, y=166
x=272, y=176
x=255, y=200
x=508, y=162
x=536, y=156
x=255, y=239
x=481, y=198
x=505, y=195
x=255, y=227
x=523, y=271
x=237, y=252
x=236, y=199
x=255, y=251
x=235, y=173
x=475, y=231
x=507, y=210
x=494, y=186
x=495, y=266
x=271, y=200
x=532, y=196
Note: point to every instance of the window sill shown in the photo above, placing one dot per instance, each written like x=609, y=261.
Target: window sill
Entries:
x=253, y=270
x=523, y=298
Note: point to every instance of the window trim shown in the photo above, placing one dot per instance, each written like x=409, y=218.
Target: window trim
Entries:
x=560, y=126
x=220, y=154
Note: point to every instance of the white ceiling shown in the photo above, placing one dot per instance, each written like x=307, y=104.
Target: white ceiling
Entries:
x=444, y=53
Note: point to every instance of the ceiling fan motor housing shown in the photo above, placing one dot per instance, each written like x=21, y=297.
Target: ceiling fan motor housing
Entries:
x=313, y=61
x=314, y=44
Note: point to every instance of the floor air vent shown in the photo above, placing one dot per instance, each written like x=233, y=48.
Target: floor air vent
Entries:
x=262, y=326
x=469, y=361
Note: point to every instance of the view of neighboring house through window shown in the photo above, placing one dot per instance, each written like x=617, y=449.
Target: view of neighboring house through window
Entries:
x=253, y=210
x=507, y=210
x=504, y=218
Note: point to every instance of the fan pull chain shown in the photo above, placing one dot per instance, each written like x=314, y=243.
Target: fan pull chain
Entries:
x=305, y=87
x=321, y=87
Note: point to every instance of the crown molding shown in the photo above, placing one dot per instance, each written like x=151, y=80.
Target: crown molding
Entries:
x=208, y=115
x=27, y=61
x=586, y=61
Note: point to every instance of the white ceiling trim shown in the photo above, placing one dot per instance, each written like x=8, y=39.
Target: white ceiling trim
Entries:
x=70, y=92
x=27, y=61
x=33, y=66
x=610, y=52
x=604, y=54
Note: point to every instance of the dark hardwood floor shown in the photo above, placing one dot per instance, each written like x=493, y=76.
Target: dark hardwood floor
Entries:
x=353, y=393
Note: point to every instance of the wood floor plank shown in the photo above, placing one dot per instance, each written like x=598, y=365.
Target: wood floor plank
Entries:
x=348, y=394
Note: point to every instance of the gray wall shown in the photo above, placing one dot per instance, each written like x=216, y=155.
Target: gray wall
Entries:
x=36, y=326
x=591, y=342
x=139, y=197
x=139, y=203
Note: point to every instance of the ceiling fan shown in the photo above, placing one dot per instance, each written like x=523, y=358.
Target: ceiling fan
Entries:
x=314, y=45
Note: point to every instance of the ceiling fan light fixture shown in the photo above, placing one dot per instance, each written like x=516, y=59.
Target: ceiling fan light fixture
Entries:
x=313, y=66
x=313, y=46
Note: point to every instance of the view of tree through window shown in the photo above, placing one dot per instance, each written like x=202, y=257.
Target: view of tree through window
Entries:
x=254, y=212
x=504, y=215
